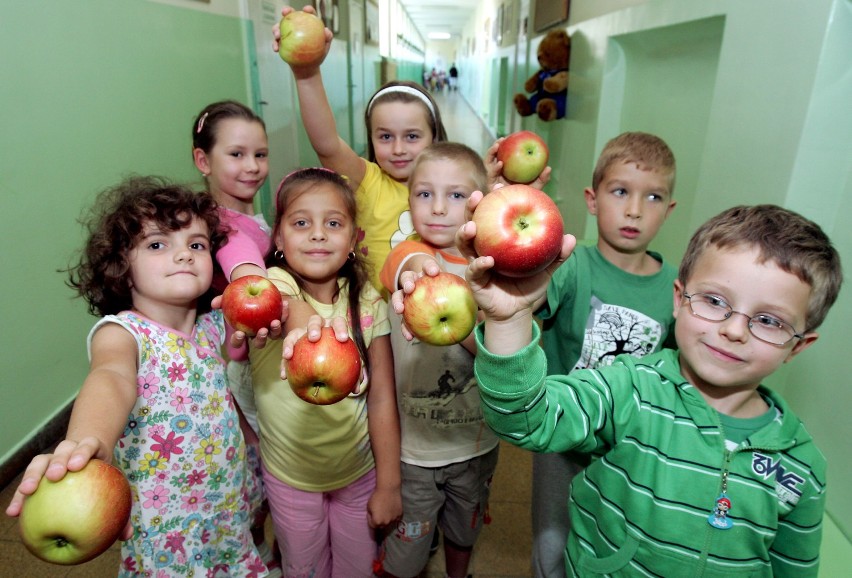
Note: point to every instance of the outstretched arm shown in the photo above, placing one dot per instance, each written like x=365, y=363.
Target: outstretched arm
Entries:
x=99, y=415
x=317, y=116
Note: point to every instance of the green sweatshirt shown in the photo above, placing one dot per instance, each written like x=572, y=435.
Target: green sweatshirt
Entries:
x=645, y=507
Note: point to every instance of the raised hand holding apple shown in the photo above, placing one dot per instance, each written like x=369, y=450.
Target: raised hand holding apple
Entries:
x=524, y=155
x=325, y=371
x=520, y=227
x=301, y=40
x=251, y=303
x=77, y=518
x=440, y=310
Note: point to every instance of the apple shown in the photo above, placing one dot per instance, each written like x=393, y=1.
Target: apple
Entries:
x=524, y=155
x=520, y=227
x=77, y=518
x=251, y=303
x=325, y=371
x=302, y=38
x=440, y=310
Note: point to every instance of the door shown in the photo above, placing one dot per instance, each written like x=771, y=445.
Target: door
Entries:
x=274, y=95
x=357, y=96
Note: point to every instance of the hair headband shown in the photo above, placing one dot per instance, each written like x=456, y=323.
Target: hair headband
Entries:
x=291, y=174
x=406, y=90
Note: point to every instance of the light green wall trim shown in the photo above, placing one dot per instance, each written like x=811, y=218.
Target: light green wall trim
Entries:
x=91, y=91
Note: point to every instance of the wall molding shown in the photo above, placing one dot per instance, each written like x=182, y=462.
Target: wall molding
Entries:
x=41, y=441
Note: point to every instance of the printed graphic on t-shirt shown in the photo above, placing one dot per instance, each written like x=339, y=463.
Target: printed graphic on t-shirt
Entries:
x=405, y=230
x=612, y=330
x=436, y=405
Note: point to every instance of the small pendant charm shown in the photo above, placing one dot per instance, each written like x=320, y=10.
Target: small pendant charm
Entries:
x=719, y=518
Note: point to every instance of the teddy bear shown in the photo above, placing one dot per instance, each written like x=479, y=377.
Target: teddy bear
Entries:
x=549, y=85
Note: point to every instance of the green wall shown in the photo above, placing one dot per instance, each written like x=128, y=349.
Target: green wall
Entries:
x=90, y=91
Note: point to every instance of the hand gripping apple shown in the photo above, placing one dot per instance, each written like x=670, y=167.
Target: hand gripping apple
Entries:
x=302, y=38
x=325, y=371
x=440, y=310
x=77, y=518
x=520, y=227
x=251, y=303
x=524, y=155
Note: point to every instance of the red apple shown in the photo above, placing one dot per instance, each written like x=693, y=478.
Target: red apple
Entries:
x=440, y=310
x=325, y=371
x=251, y=303
x=302, y=38
x=524, y=155
x=77, y=518
x=520, y=227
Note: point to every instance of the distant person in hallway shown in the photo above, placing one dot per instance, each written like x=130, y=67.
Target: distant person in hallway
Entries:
x=454, y=77
x=402, y=119
x=608, y=298
x=448, y=452
x=697, y=467
x=147, y=269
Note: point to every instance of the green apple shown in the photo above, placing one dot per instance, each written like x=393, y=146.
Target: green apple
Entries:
x=77, y=518
x=440, y=310
x=524, y=155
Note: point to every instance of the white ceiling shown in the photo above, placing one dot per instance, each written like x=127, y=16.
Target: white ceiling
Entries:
x=440, y=15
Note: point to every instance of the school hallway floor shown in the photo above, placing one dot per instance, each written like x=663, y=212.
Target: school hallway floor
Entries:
x=503, y=549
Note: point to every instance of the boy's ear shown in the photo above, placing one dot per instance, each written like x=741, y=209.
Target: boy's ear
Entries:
x=806, y=341
x=591, y=200
x=201, y=162
x=672, y=205
x=677, y=297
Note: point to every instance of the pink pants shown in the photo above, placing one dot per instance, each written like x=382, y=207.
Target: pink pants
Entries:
x=323, y=534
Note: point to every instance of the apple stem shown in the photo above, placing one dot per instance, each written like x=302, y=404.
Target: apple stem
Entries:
x=316, y=390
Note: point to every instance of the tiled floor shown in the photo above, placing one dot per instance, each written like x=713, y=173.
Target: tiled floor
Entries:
x=504, y=547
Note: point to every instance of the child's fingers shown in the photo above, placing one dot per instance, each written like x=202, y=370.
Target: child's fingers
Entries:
x=464, y=240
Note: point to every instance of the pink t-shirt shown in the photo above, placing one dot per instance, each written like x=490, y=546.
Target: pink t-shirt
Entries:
x=248, y=242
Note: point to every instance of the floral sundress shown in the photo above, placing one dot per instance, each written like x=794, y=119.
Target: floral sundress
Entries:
x=184, y=455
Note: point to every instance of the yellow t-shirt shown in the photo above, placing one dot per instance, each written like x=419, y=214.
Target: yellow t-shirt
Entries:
x=384, y=219
x=314, y=448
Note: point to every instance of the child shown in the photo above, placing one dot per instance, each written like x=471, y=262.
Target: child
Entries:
x=331, y=472
x=230, y=148
x=448, y=453
x=147, y=269
x=402, y=119
x=701, y=466
x=607, y=299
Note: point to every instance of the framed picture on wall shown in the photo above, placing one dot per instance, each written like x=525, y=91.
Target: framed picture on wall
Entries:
x=371, y=31
x=329, y=11
x=550, y=13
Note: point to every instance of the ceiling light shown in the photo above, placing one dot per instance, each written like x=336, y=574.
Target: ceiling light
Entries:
x=439, y=35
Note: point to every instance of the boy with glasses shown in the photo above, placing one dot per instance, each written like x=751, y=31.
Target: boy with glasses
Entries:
x=702, y=469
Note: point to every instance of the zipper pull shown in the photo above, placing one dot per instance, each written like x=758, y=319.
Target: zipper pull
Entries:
x=719, y=517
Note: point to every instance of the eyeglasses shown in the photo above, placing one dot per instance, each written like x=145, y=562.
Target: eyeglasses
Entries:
x=765, y=327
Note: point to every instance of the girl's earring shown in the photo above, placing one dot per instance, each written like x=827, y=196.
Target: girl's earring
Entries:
x=278, y=254
x=351, y=255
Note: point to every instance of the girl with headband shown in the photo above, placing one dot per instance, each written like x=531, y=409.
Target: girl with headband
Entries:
x=402, y=119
